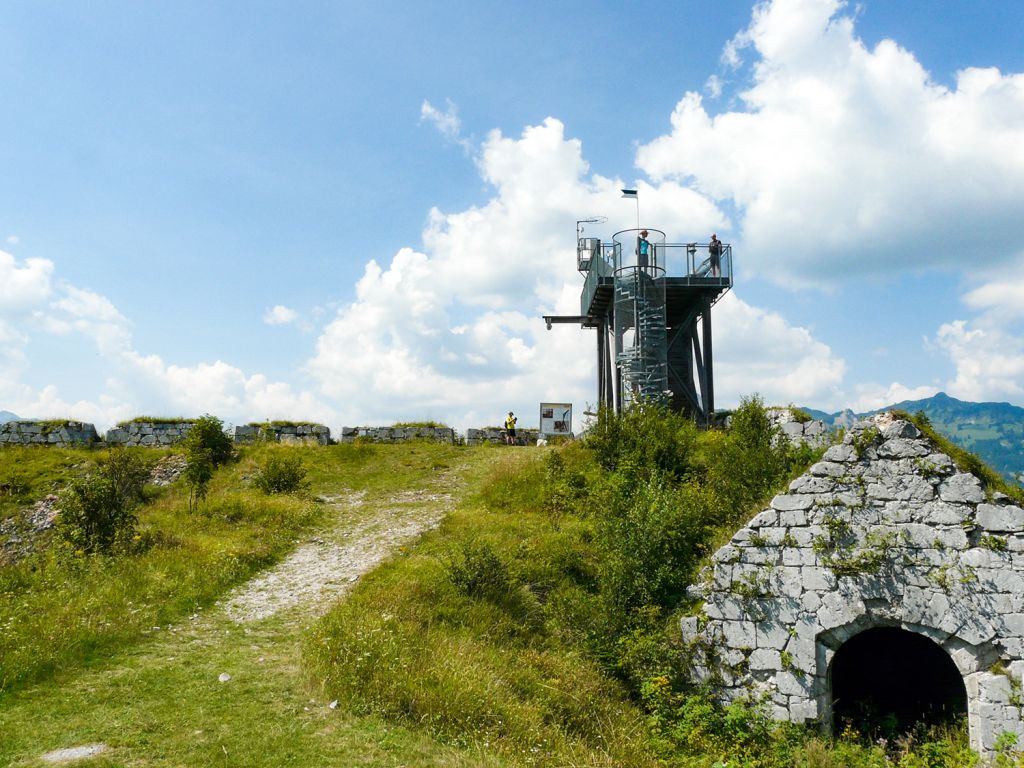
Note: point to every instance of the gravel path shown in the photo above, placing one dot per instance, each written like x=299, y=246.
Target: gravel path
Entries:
x=324, y=568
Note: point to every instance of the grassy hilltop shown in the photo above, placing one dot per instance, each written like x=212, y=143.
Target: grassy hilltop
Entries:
x=537, y=624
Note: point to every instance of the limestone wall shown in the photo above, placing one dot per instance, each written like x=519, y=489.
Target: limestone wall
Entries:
x=496, y=435
x=883, y=532
x=397, y=434
x=814, y=433
x=296, y=434
x=58, y=433
x=148, y=433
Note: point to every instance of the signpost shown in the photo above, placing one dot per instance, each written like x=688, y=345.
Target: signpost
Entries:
x=555, y=419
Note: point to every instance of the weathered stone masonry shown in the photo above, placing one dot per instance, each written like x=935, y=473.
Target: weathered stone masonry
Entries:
x=63, y=433
x=883, y=532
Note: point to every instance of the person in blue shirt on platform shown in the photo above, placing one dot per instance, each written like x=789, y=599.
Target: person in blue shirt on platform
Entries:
x=643, y=250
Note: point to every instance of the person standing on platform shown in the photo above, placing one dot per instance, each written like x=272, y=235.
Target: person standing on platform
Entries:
x=715, y=254
x=643, y=250
x=510, y=429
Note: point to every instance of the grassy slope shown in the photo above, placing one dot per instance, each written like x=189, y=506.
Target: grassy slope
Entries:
x=426, y=674
x=153, y=694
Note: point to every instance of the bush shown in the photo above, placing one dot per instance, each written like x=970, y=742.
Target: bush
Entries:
x=94, y=518
x=476, y=570
x=206, y=447
x=128, y=474
x=645, y=440
x=281, y=474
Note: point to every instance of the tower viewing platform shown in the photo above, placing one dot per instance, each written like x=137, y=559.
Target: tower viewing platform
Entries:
x=650, y=303
x=686, y=268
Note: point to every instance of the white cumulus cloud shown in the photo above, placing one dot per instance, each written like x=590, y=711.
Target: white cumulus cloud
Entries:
x=844, y=160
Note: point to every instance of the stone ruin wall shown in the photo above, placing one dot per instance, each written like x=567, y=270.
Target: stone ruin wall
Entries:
x=160, y=434
x=148, y=434
x=497, y=435
x=397, y=434
x=289, y=434
x=61, y=434
x=884, y=531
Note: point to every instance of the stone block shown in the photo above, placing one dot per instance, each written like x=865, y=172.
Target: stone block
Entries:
x=803, y=711
x=739, y=634
x=994, y=689
x=810, y=602
x=900, y=429
x=1004, y=519
x=841, y=453
x=901, y=448
x=944, y=513
x=1013, y=624
x=771, y=635
x=765, y=659
x=789, y=502
x=818, y=579
x=962, y=487
x=829, y=469
x=765, y=519
x=792, y=684
x=808, y=484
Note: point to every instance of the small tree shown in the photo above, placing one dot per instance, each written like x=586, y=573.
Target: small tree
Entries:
x=128, y=474
x=206, y=448
x=94, y=517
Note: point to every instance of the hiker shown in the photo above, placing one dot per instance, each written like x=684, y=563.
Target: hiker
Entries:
x=715, y=252
x=510, y=429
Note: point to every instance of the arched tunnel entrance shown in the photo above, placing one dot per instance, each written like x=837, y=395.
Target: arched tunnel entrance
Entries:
x=885, y=680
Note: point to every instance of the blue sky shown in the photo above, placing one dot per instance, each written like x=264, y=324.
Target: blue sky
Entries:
x=356, y=213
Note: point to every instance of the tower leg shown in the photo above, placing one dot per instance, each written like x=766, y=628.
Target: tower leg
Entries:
x=709, y=394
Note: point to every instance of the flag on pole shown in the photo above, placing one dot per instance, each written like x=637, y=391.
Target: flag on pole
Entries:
x=630, y=193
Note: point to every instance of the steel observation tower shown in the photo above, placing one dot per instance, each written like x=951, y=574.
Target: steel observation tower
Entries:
x=651, y=309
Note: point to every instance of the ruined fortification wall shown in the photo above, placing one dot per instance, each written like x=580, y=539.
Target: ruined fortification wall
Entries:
x=885, y=531
x=57, y=433
x=397, y=434
x=148, y=433
x=293, y=434
x=497, y=435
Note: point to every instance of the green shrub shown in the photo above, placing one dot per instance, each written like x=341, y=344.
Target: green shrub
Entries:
x=206, y=447
x=94, y=518
x=281, y=474
x=127, y=472
x=476, y=570
x=647, y=439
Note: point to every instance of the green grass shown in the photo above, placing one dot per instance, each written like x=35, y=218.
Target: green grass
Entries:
x=278, y=423
x=500, y=639
x=410, y=647
x=30, y=472
x=149, y=688
x=156, y=420
x=62, y=611
x=421, y=424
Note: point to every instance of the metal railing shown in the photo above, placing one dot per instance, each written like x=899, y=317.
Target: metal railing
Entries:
x=690, y=262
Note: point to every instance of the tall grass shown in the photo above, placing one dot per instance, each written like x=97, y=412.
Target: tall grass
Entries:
x=61, y=609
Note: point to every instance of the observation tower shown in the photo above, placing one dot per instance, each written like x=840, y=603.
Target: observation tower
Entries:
x=651, y=309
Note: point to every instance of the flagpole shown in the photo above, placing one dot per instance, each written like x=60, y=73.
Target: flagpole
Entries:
x=636, y=196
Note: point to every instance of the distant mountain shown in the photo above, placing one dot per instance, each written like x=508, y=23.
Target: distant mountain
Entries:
x=994, y=431
x=6, y=416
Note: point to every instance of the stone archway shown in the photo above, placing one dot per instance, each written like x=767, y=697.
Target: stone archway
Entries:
x=888, y=679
